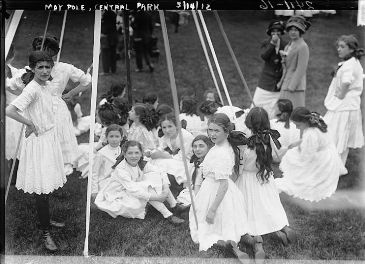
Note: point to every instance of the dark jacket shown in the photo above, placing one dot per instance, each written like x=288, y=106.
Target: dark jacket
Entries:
x=272, y=71
x=142, y=25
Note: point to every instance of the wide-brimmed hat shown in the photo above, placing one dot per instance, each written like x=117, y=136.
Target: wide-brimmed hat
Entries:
x=299, y=22
x=275, y=25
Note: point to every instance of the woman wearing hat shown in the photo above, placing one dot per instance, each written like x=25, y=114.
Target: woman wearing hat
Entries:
x=295, y=61
x=267, y=93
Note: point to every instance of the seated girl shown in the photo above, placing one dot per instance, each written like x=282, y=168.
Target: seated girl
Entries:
x=194, y=124
x=132, y=184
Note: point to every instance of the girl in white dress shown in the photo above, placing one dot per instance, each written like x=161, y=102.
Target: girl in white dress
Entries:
x=343, y=99
x=41, y=168
x=193, y=123
x=265, y=213
x=169, y=155
x=61, y=74
x=312, y=166
x=132, y=184
x=201, y=146
x=288, y=132
x=219, y=203
x=106, y=158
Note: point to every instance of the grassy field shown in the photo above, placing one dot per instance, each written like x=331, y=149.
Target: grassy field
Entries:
x=336, y=234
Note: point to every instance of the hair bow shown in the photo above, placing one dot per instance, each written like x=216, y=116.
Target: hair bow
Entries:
x=263, y=137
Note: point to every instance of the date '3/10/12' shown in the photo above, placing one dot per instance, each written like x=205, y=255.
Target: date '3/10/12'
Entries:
x=286, y=4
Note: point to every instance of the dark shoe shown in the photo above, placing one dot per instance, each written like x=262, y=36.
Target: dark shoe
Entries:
x=290, y=234
x=259, y=250
x=282, y=237
x=242, y=256
x=179, y=208
x=56, y=224
x=48, y=242
x=175, y=220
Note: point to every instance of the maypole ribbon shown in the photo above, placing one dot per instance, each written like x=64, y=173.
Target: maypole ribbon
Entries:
x=214, y=57
x=10, y=33
x=206, y=54
x=45, y=30
x=95, y=68
x=61, y=38
x=176, y=105
x=232, y=55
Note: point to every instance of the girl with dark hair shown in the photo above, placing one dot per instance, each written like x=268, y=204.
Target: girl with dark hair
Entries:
x=151, y=99
x=132, y=184
x=343, y=99
x=201, y=145
x=41, y=168
x=288, y=132
x=212, y=96
x=264, y=210
x=194, y=124
x=117, y=90
x=219, y=203
x=106, y=157
x=311, y=167
x=143, y=129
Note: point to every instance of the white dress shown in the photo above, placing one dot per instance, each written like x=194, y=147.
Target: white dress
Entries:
x=343, y=117
x=194, y=124
x=12, y=127
x=126, y=191
x=41, y=163
x=102, y=168
x=230, y=218
x=311, y=170
x=287, y=137
x=175, y=165
x=265, y=213
x=61, y=74
x=140, y=133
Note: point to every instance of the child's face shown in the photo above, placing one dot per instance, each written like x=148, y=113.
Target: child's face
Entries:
x=210, y=97
x=216, y=133
x=133, y=155
x=200, y=149
x=169, y=129
x=114, y=138
x=42, y=71
x=343, y=50
x=132, y=114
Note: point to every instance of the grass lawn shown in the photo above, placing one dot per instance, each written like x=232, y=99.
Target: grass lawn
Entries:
x=336, y=234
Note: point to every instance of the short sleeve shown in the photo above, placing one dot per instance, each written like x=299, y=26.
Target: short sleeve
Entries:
x=28, y=96
x=77, y=75
x=347, y=76
x=219, y=163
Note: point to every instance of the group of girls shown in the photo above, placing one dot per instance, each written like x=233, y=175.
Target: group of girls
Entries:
x=49, y=133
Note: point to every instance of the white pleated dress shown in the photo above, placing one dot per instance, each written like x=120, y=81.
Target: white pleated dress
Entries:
x=230, y=218
x=344, y=117
x=41, y=163
x=61, y=74
x=311, y=170
x=265, y=213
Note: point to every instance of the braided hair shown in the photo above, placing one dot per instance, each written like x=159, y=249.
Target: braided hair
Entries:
x=147, y=115
x=313, y=119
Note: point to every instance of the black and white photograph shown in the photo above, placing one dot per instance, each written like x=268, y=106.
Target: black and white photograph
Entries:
x=144, y=134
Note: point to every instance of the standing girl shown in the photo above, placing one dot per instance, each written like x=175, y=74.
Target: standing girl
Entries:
x=106, y=157
x=295, y=61
x=288, y=132
x=265, y=213
x=344, y=98
x=312, y=166
x=41, y=168
x=219, y=203
x=133, y=184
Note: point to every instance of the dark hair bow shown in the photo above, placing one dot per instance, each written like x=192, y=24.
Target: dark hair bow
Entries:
x=263, y=137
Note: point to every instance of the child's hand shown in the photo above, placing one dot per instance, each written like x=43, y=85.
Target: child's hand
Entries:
x=210, y=216
x=31, y=128
x=68, y=96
